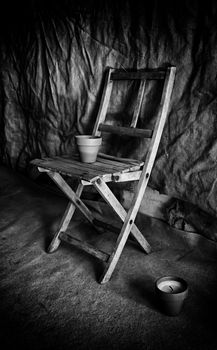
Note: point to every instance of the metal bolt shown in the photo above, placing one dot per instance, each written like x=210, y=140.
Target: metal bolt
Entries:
x=116, y=177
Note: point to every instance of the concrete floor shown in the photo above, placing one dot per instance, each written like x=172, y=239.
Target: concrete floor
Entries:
x=53, y=301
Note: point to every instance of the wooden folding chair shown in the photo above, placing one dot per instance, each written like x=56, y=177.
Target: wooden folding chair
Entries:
x=108, y=168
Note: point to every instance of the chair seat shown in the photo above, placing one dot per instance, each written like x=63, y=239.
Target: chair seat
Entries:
x=73, y=167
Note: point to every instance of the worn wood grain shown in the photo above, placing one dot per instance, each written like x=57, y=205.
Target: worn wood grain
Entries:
x=97, y=253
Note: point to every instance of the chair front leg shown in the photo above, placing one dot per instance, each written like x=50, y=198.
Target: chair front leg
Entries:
x=72, y=196
x=53, y=246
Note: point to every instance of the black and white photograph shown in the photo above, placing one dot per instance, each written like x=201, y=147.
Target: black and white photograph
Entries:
x=108, y=175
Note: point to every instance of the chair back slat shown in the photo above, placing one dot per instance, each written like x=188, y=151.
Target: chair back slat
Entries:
x=122, y=74
x=104, y=102
x=141, y=75
x=138, y=104
x=121, y=130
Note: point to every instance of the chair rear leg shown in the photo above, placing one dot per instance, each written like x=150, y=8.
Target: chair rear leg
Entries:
x=110, y=198
x=114, y=257
x=128, y=226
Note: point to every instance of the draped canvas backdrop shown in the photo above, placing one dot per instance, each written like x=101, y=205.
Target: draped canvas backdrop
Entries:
x=53, y=59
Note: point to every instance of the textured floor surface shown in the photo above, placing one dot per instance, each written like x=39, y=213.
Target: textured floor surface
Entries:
x=53, y=301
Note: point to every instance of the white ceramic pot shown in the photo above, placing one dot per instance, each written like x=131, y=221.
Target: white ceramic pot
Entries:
x=88, y=147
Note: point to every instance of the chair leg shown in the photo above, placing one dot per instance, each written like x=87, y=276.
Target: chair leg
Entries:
x=64, y=222
x=73, y=197
x=114, y=257
x=128, y=226
x=110, y=198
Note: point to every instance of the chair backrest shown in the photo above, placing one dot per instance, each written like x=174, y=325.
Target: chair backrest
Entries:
x=141, y=75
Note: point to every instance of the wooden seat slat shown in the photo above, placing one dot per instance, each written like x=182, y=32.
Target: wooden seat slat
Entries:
x=101, y=164
x=71, y=166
